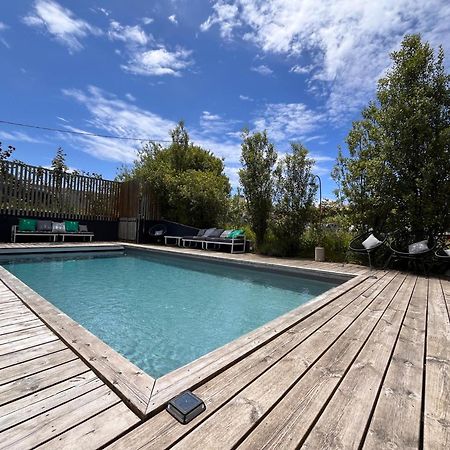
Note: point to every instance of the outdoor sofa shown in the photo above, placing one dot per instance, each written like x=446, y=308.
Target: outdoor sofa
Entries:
x=51, y=229
x=216, y=237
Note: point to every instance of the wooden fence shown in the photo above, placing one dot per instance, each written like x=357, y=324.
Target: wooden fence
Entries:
x=34, y=191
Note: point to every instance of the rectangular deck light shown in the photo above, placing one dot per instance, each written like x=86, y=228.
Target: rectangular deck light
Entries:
x=185, y=407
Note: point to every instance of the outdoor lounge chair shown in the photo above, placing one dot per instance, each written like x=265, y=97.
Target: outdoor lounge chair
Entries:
x=367, y=244
x=157, y=232
x=415, y=248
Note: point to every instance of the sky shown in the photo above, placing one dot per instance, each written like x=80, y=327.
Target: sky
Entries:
x=302, y=69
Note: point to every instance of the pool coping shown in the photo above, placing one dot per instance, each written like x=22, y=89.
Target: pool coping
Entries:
x=144, y=394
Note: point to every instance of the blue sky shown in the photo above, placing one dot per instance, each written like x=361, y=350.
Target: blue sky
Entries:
x=300, y=68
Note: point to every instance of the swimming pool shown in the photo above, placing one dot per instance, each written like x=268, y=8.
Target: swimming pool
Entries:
x=162, y=311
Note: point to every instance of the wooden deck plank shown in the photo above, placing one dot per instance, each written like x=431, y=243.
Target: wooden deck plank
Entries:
x=20, y=356
x=23, y=334
x=291, y=419
x=397, y=417
x=20, y=319
x=162, y=429
x=26, y=386
x=12, y=347
x=36, y=365
x=437, y=372
x=42, y=401
x=42, y=428
x=97, y=431
x=241, y=413
x=20, y=326
x=344, y=420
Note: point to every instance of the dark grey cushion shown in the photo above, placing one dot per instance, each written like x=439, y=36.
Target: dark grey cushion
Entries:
x=217, y=232
x=83, y=228
x=201, y=232
x=209, y=231
x=44, y=225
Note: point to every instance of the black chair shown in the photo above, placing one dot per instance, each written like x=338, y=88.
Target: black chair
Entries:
x=400, y=250
x=157, y=232
x=442, y=255
x=356, y=245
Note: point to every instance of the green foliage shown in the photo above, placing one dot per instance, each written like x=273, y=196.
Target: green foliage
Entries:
x=7, y=152
x=397, y=174
x=59, y=161
x=236, y=211
x=258, y=159
x=335, y=243
x=293, y=198
x=188, y=181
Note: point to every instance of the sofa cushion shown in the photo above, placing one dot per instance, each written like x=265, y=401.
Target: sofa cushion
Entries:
x=71, y=226
x=208, y=232
x=83, y=228
x=27, y=224
x=217, y=232
x=201, y=232
x=44, y=225
x=226, y=233
x=236, y=234
x=58, y=227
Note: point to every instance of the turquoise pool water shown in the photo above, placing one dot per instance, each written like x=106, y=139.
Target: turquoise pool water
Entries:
x=162, y=312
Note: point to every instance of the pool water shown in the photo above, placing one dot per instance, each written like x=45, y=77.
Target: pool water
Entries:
x=162, y=312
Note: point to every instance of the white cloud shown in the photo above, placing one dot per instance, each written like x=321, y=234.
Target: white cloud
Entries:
x=17, y=136
x=129, y=34
x=226, y=15
x=4, y=27
x=61, y=23
x=289, y=121
x=300, y=69
x=348, y=41
x=145, y=56
x=114, y=116
x=147, y=20
x=108, y=114
x=263, y=70
x=130, y=97
x=245, y=98
x=206, y=115
x=214, y=124
x=158, y=61
x=173, y=19
x=62, y=119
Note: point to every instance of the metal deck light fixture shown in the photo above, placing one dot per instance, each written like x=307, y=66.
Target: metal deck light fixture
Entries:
x=185, y=407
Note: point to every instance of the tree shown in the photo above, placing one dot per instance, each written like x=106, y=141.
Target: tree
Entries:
x=258, y=159
x=397, y=174
x=294, y=197
x=188, y=181
x=6, y=153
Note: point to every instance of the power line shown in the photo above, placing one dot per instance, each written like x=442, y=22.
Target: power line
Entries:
x=81, y=133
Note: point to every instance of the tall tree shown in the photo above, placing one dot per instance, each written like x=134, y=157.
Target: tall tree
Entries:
x=294, y=197
x=258, y=159
x=397, y=174
x=188, y=180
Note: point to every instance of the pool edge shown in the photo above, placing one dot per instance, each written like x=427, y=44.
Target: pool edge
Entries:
x=149, y=395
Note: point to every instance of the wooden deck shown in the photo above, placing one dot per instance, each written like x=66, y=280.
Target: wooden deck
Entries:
x=48, y=396
x=366, y=367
